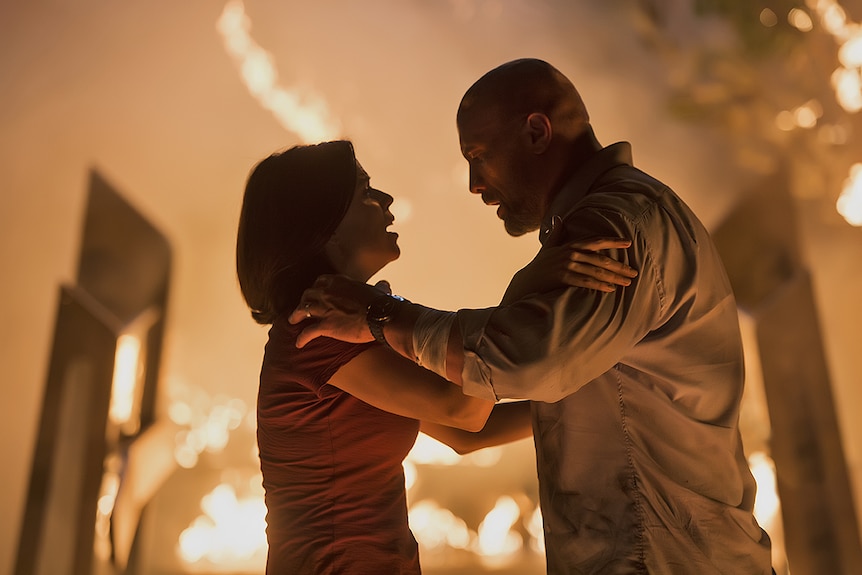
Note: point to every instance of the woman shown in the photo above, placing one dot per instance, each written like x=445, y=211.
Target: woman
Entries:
x=335, y=420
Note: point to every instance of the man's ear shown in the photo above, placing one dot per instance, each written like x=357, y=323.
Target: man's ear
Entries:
x=539, y=131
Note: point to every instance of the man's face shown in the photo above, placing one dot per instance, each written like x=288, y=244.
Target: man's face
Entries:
x=501, y=168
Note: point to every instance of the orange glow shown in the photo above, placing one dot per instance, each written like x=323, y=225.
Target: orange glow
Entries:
x=306, y=114
x=230, y=534
x=126, y=367
x=496, y=536
x=849, y=203
x=800, y=20
x=435, y=527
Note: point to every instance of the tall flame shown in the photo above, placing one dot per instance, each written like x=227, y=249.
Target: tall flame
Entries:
x=306, y=115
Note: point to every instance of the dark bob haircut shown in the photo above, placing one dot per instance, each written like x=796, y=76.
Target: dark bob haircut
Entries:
x=292, y=204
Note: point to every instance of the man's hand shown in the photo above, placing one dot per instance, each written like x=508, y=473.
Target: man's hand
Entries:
x=335, y=306
x=576, y=264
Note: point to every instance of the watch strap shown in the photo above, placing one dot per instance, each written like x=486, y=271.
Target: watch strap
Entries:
x=376, y=328
x=380, y=312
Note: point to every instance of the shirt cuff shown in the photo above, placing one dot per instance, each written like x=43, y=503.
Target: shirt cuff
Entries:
x=475, y=375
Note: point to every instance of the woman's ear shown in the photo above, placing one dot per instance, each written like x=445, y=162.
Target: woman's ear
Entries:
x=539, y=131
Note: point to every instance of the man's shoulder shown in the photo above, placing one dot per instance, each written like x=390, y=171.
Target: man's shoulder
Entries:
x=629, y=201
x=626, y=191
x=633, y=193
x=629, y=182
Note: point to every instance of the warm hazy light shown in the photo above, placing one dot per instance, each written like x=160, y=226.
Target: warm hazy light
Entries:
x=768, y=18
x=231, y=532
x=784, y=121
x=208, y=422
x=536, y=529
x=496, y=536
x=847, y=83
x=767, y=506
x=437, y=528
x=429, y=451
x=305, y=114
x=850, y=201
x=848, y=89
x=845, y=79
x=766, y=503
x=832, y=16
x=102, y=546
x=850, y=53
x=800, y=20
x=126, y=365
x=806, y=116
x=402, y=209
x=833, y=134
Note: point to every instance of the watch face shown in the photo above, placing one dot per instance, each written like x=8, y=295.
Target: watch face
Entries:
x=381, y=308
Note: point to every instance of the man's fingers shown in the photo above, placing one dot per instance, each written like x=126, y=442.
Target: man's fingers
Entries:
x=383, y=285
x=302, y=311
x=297, y=315
x=306, y=335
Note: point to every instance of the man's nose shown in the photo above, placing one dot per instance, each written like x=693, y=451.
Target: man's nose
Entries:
x=476, y=183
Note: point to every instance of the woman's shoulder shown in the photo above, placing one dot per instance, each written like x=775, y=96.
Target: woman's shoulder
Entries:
x=315, y=363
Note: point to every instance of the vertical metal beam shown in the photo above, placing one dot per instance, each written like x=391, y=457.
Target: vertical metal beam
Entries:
x=759, y=242
x=820, y=524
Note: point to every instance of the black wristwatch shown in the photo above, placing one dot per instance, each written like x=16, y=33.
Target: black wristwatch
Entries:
x=381, y=311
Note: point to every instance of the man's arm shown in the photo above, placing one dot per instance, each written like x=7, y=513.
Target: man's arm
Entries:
x=548, y=345
x=339, y=304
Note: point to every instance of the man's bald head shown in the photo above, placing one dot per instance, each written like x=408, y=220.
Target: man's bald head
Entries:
x=520, y=87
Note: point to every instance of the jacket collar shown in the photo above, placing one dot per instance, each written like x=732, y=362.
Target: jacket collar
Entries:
x=581, y=181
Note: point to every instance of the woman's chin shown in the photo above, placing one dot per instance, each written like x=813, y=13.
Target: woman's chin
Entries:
x=395, y=247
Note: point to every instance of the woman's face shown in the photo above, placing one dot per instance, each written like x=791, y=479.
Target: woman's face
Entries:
x=361, y=244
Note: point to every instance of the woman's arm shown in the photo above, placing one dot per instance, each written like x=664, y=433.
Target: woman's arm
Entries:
x=508, y=422
x=382, y=378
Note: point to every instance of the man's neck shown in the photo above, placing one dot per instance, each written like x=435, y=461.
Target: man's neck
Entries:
x=579, y=150
x=582, y=148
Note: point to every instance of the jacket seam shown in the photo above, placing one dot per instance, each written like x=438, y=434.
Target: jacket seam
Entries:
x=640, y=545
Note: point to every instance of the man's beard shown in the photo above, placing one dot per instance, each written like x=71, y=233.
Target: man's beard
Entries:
x=522, y=219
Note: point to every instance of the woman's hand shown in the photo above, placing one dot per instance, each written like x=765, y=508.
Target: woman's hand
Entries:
x=576, y=264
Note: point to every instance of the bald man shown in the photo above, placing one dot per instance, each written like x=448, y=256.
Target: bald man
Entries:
x=635, y=391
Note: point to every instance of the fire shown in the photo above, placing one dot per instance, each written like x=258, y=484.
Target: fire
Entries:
x=305, y=114
x=230, y=533
x=850, y=201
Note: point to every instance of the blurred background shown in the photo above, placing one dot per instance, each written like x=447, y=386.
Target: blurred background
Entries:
x=134, y=125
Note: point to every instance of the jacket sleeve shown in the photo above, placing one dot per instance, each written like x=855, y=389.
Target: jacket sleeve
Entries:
x=548, y=345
